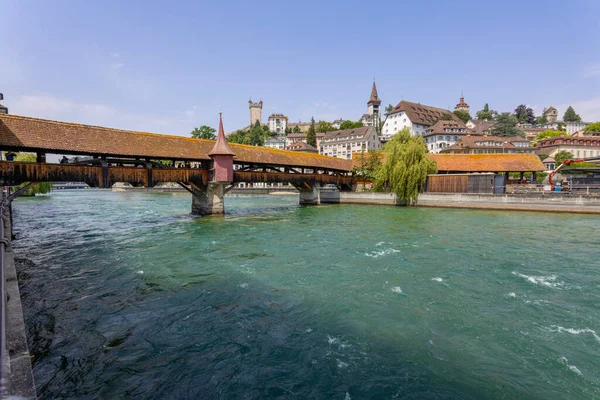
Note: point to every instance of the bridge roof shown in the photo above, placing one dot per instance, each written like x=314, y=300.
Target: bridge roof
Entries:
x=19, y=133
x=488, y=162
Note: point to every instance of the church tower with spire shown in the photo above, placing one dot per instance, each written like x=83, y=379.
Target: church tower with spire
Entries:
x=462, y=106
x=373, y=106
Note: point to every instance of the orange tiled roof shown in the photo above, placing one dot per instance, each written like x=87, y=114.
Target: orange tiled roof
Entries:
x=32, y=134
x=487, y=162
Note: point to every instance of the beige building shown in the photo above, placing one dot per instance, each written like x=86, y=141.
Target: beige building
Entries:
x=581, y=145
x=551, y=114
x=343, y=144
x=485, y=144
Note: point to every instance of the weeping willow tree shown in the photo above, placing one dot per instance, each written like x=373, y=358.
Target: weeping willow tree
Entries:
x=406, y=166
x=41, y=187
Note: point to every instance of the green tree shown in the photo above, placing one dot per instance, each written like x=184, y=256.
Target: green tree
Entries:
x=237, y=137
x=204, y=132
x=367, y=164
x=562, y=156
x=548, y=133
x=543, y=156
x=388, y=110
x=525, y=114
x=542, y=119
x=506, y=126
x=297, y=129
x=463, y=115
x=446, y=117
x=311, y=136
x=486, y=113
x=324, y=127
x=351, y=124
x=595, y=127
x=406, y=166
x=571, y=115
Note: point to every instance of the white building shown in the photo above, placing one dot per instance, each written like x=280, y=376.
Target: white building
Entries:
x=573, y=127
x=343, y=144
x=277, y=142
x=416, y=117
x=278, y=123
x=337, y=123
x=443, y=134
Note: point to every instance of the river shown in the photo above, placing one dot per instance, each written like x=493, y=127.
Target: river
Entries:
x=126, y=295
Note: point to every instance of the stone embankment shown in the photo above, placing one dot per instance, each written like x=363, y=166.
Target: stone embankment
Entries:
x=21, y=381
x=549, y=202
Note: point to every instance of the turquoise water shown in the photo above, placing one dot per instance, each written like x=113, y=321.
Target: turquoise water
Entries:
x=128, y=296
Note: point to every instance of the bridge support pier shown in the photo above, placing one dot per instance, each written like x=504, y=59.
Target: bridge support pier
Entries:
x=208, y=200
x=309, y=195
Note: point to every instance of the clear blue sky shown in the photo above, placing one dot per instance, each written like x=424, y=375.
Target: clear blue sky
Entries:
x=166, y=66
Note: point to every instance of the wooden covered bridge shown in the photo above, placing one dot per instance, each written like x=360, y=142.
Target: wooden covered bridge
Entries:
x=138, y=158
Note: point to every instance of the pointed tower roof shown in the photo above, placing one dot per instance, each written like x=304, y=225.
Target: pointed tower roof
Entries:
x=221, y=148
x=461, y=103
x=374, y=99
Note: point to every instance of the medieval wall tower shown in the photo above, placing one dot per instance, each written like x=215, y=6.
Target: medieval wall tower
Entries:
x=255, y=111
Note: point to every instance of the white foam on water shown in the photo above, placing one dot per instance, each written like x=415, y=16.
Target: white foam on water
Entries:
x=396, y=289
x=140, y=272
x=572, y=331
x=380, y=244
x=347, y=396
x=437, y=279
x=341, y=364
x=332, y=340
x=308, y=330
x=573, y=368
x=385, y=252
x=244, y=285
x=512, y=294
x=548, y=281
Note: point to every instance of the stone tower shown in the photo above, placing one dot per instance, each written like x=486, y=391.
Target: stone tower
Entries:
x=462, y=106
x=373, y=107
x=551, y=114
x=255, y=111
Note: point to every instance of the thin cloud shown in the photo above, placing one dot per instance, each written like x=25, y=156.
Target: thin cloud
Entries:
x=114, y=55
x=60, y=109
x=591, y=71
x=117, y=66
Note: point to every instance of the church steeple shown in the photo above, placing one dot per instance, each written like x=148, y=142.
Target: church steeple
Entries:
x=373, y=108
x=374, y=99
x=462, y=106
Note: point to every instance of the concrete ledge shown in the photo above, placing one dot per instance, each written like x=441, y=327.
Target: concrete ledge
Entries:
x=525, y=202
x=329, y=196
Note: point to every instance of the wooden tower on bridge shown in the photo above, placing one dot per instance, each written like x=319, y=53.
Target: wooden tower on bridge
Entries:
x=209, y=200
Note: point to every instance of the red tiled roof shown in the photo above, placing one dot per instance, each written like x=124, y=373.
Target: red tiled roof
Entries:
x=439, y=126
x=32, y=134
x=421, y=114
x=487, y=162
x=301, y=146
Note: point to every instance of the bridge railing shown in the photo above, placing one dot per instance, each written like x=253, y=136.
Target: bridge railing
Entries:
x=277, y=177
x=15, y=173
